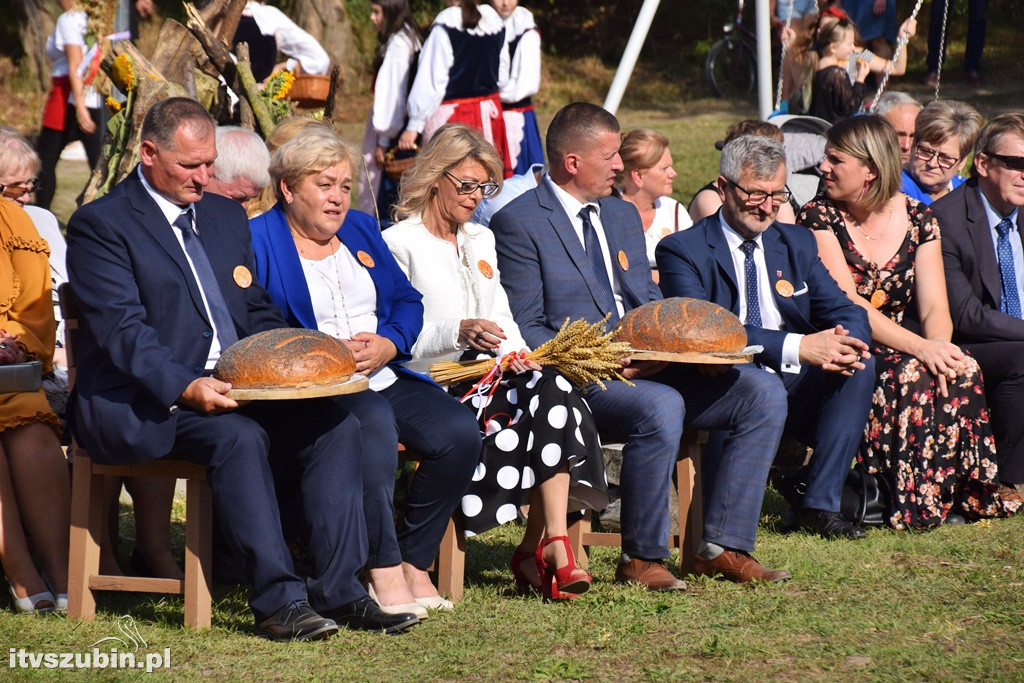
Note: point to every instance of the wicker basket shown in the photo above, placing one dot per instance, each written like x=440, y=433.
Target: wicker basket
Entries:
x=310, y=90
x=397, y=162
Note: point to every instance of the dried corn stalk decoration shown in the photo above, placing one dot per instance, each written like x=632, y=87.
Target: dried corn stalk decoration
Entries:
x=584, y=353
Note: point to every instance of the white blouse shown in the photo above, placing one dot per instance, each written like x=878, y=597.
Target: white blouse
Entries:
x=344, y=302
x=391, y=88
x=301, y=47
x=437, y=60
x=669, y=216
x=455, y=284
x=71, y=29
x=524, y=71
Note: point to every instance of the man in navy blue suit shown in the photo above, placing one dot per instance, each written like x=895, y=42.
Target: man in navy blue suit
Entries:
x=814, y=337
x=567, y=249
x=163, y=275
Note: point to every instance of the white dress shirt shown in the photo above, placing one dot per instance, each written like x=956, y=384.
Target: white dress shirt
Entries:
x=171, y=212
x=301, y=47
x=771, y=318
x=995, y=219
x=572, y=208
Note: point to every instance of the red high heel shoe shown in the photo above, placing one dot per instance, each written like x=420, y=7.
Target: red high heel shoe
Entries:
x=561, y=583
x=523, y=583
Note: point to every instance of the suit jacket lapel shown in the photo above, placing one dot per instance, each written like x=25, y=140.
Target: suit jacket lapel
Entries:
x=298, y=304
x=981, y=236
x=720, y=250
x=153, y=221
x=355, y=241
x=567, y=234
x=777, y=261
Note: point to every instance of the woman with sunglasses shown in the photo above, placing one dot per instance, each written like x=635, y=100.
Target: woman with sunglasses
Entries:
x=928, y=433
x=944, y=133
x=541, y=444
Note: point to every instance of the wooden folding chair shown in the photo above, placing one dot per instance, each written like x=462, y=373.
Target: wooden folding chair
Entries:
x=689, y=501
x=89, y=515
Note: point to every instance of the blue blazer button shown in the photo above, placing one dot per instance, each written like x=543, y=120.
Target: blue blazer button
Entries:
x=207, y=334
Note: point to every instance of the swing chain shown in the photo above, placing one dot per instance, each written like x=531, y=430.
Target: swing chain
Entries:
x=903, y=40
x=942, y=48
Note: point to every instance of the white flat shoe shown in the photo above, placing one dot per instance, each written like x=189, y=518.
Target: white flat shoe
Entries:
x=436, y=602
x=408, y=607
x=28, y=605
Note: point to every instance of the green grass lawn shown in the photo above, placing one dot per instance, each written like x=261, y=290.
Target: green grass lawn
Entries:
x=946, y=605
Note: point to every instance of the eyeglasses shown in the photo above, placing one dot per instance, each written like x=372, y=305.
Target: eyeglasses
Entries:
x=488, y=189
x=757, y=197
x=17, y=190
x=1012, y=163
x=926, y=154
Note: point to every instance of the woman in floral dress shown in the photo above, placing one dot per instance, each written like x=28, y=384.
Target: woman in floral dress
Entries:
x=928, y=431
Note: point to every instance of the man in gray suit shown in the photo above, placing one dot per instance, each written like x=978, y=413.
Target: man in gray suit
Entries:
x=566, y=249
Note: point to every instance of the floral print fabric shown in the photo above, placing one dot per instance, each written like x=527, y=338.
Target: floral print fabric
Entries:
x=938, y=453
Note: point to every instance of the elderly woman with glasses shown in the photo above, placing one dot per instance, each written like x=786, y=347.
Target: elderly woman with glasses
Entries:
x=541, y=444
x=35, y=489
x=944, y=133
x=327, y=268
x=928, y=434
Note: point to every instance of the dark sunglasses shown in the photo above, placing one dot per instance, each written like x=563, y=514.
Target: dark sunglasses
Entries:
x=1012, y=163
x=488, y=189
x=17, y=190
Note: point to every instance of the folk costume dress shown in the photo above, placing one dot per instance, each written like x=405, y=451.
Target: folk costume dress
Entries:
x=26, y=309
x=523, y=40
x=938, y=454
x=461, y=71
x=534, y=423
x=378, y=192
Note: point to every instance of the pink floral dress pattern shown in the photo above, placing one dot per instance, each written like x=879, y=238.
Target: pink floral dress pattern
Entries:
x=937, y=453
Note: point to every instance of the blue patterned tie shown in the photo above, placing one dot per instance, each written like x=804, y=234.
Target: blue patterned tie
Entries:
x=1010, y=301
x=593, y=246
x=207, y=281
x=750, y=274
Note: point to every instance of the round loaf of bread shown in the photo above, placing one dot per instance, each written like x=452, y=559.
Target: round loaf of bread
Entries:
x=286, y=358
x=682, y=325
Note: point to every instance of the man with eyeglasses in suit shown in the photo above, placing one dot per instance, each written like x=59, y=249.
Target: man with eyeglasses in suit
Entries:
x=981, y=224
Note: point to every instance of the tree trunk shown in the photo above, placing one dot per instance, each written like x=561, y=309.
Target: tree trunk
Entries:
x=36, y=29
x=328, y=21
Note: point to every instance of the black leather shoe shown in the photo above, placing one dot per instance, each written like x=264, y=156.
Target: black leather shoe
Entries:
x=297, y=621
x=829, y=525
x=364, y=614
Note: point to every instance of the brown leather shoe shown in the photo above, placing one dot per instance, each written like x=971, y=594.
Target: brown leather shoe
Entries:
x=654, y=576
x=739, y=567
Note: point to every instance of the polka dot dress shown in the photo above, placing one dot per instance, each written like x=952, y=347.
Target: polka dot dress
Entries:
x=533, y=425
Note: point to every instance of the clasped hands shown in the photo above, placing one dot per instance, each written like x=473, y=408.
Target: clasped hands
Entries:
x=10, y=351
x=485, y=335
x=834, y=350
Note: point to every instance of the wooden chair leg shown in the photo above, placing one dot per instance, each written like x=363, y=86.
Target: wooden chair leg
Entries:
x=451, y=563
x=576, y=538
x=198, y=553
x=691, y=507
x=87, y=517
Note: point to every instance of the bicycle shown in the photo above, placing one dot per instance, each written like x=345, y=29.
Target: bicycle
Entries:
x=731, y=65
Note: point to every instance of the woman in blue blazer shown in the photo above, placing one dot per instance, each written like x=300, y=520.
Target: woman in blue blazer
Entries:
x=328, y=268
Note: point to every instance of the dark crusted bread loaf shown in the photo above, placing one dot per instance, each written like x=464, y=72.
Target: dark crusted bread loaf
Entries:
x=682, y=325
x=286, y=358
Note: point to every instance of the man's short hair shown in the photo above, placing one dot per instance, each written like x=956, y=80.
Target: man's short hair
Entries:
x=893, y=99
x=241, y=153
x=994, y=130
x=762, y=155
x=574, y=126
x=166, y=116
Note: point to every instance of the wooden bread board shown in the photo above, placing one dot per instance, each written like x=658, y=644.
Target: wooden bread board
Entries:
x=353, y=384
x=715, y=358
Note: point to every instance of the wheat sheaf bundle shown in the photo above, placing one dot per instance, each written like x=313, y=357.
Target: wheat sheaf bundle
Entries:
x=584, y=353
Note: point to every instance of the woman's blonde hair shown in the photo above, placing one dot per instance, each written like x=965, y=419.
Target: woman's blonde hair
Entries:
x=308, y=153
x=284, y=131
x=872, y=141
x=450, y=145
x=17, y=156
x=641, y=149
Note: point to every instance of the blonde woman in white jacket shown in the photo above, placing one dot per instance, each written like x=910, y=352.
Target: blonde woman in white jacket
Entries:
x=540, y=441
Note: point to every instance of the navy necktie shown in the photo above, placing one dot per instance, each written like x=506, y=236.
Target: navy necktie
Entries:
x=207, y=281
x=1009, y=302
x=593, y=246
x=750, y=274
